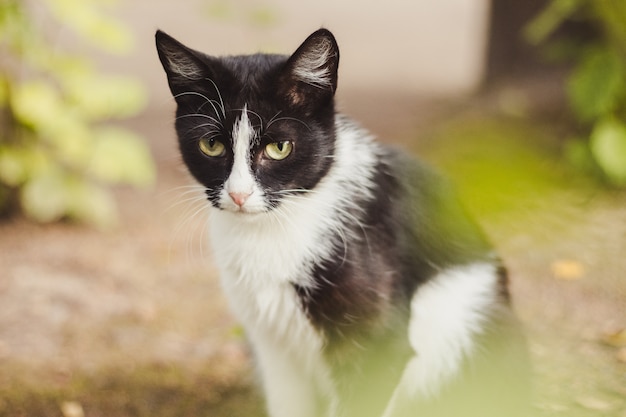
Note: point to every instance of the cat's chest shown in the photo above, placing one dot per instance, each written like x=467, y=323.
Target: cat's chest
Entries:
x=265, y=250
x=259, y=266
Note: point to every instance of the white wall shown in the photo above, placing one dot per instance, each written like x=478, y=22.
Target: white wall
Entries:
x=431, y=47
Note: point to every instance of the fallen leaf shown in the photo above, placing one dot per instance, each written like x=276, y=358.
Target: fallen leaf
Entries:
x=615, y=339
x=567, y=269
x=72, y=409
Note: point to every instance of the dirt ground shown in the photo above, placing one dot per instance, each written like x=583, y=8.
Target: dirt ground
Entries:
x=104, y=321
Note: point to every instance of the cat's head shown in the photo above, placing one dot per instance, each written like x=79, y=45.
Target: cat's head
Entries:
x=254, y=129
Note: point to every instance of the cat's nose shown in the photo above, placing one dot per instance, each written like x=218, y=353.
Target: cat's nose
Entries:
x=239, y=198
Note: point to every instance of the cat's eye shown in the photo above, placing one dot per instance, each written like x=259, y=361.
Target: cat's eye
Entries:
x=278, y=150
x=211, y=147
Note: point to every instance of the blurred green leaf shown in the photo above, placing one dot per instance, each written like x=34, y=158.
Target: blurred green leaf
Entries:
x=71, y=139
x=91, y=203
x=596, y=88
x=613, y=16
x=597, y=84
x=579, y=155
x=57, y=195
x=53, y=155
x=219, y=9
x=13, y=170
x=119, y=156
x=44, y=197
x=38, y=161
x=263, y=17
x=88, y=21
x=106, y=97
x=36, y=104
x=550, y=18
x=608, y=145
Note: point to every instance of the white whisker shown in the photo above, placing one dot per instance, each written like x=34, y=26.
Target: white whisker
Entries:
x=207, y=100
x=193, y=201
x=211, y=134
x=212, y=125
x=219, y=95
x=344, y=207
x=293, y=119
x=341, y=226
x=205, y=116
x=273, y=118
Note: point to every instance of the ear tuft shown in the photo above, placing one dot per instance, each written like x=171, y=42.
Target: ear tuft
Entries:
x=309, y=78
x=180, y=63
x=316, y=61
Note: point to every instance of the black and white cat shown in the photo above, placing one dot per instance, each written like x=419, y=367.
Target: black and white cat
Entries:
x=363, y=287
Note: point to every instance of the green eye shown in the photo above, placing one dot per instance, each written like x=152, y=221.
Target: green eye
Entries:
x=278, y=150
x=211, y=147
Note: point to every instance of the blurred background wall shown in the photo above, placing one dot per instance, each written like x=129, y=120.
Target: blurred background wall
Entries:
x=408, y=46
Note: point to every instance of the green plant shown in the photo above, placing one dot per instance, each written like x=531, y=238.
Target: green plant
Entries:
x=58, y=149
x=596, y=88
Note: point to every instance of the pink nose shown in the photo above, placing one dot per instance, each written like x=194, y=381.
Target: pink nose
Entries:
x=239, y=198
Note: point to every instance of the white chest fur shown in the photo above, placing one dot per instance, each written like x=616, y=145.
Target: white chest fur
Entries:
x=259, y=261
x=258, y=268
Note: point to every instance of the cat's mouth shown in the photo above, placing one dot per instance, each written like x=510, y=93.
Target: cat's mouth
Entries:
x=244, y=210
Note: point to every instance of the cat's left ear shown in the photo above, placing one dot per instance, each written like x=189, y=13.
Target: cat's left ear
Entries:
x=310, y=74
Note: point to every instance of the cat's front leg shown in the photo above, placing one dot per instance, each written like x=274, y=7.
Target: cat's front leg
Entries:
x=289, y=391
x=493, y=384
x=469, y=356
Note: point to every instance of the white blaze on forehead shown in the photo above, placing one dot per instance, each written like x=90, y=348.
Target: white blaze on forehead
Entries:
x=240, y=179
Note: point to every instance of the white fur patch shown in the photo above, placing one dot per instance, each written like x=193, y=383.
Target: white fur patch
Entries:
x=446, y=315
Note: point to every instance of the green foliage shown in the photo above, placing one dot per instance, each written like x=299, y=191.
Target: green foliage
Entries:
x=259, y=16
x=57, y=149
x=596, y=88
x=608, y=146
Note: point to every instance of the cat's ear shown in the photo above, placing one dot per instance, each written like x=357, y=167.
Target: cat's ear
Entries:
x=183, y=65
x=310, y=74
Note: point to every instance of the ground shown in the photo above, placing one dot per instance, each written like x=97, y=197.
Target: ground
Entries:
x=131, y=321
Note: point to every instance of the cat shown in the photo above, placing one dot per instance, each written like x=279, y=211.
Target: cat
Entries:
x=363, y=286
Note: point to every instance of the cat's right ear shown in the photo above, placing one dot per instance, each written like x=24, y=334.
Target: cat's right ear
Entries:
x=183, y=65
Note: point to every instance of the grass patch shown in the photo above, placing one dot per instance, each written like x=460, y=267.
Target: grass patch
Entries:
x=150, y=390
